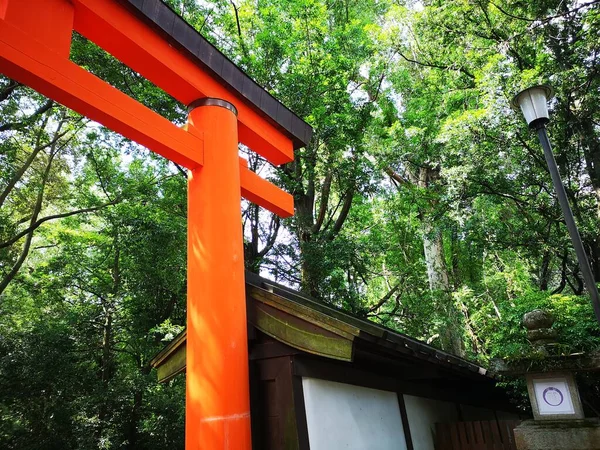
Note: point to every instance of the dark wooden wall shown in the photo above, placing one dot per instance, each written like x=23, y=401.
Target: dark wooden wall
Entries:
x=478, y=435
x=274, y=403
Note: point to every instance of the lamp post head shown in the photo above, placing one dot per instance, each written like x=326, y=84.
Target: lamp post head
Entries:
x=533, y=102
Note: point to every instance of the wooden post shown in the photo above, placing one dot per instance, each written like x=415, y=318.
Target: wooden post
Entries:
x=217, y=385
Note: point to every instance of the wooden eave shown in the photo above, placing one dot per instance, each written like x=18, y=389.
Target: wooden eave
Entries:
x=170, y=361
x=183, y=36
x=318, y=329
x=370, y=334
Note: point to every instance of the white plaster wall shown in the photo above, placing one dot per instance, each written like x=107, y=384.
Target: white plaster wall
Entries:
x=423, y=414
x=346, y=417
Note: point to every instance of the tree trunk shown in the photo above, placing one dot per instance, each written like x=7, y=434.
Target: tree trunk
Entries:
x=545, y=271
x=437, y=271
x=591, y=145
x=107, y=362
x=310, y=284
x=595, y=258
x=439, y=282
x=254, y=256
x=105, y=369
x=457, y=277
x=134, y=418
x=433, y=245
x=106, y=347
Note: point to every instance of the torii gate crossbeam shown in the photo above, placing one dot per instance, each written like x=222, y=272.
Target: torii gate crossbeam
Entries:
x=227, y=108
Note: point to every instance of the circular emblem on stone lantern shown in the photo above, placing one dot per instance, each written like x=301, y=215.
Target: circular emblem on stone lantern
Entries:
x=552, y=396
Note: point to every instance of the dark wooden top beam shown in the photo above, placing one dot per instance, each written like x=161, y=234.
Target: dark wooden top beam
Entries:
x=178, y=32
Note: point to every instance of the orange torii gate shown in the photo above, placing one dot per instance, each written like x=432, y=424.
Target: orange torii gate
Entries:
x=226, y=108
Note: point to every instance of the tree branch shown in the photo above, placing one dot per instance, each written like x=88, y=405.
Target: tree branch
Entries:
x=36, y=224
x=436, y=66
x=181, y=171
x=384, y=299
x=506, y=13
x=239, y=28
x=5, y=93
x=41, y=110
x=337, y=226
x=17, y=176
x=275, y=224
x=325, y=191
x=396, y=176
x=36, y=211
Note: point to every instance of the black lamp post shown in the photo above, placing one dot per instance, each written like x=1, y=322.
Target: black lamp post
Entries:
x=534, y=105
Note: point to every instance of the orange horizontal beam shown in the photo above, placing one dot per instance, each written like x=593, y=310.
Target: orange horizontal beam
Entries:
x=31, y=63
x=264, y=193
x=128, y=38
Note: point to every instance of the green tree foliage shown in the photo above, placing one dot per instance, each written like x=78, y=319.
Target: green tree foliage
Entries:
x=93, y=274
x=453, y=149
x=82, y=322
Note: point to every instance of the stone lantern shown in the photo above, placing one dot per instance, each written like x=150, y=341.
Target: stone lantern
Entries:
x=558, y=421
x=539, y=329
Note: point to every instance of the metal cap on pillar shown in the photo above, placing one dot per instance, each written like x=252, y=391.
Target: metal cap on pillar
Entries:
x=209, y=101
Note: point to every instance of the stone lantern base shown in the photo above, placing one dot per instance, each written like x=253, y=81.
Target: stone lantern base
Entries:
x=558, y=435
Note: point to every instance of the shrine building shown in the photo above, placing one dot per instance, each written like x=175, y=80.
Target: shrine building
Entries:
x=322, y=379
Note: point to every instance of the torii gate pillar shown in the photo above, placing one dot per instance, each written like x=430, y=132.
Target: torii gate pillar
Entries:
x=217, y=393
